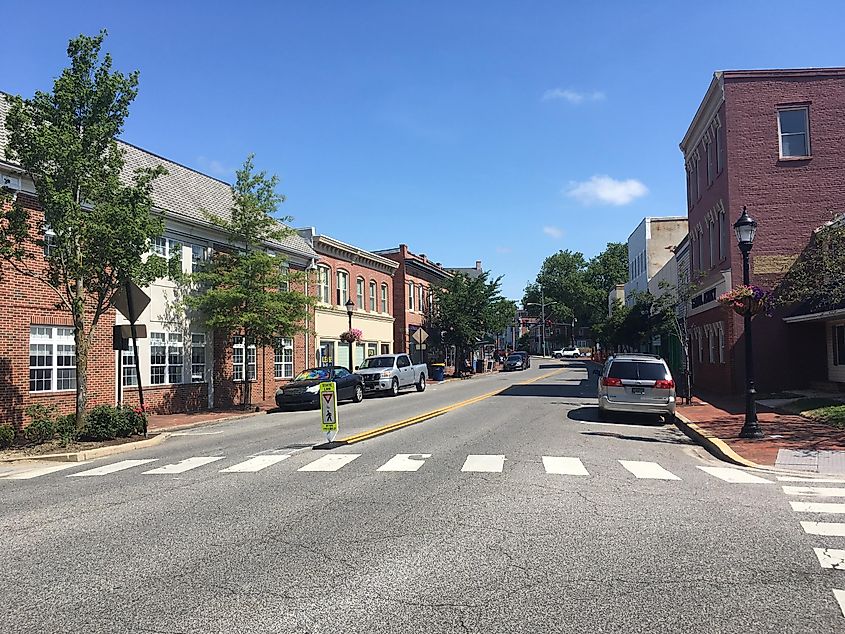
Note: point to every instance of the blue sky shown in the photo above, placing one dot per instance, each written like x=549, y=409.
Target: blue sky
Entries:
x=499, y=131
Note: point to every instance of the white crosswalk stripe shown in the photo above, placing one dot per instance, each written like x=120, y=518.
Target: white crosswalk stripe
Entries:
x=818, y=492
x=648, y=470
x=405, y=462
x=112, y=468
x=734, y=476
x=184, y=465
x=810, y=479
x=560, y=465
x=828, y=529
x=484, y=463
x=330, y=462
x=817, y=507
x=40, y=471
x=840, y=599
x=830, y=558
x=256, y=463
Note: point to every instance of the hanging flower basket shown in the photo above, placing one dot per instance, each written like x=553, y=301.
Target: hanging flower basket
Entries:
x=747, y=300
x=351, y=336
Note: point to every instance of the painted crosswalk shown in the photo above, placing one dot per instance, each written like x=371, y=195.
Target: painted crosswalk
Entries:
x=255, y=464
x=37, y=472
x=817, y=507
x=183, y=465
x=405, y=462
x=560, y=465
x=331, y=462
x=484, y=463
x=818, y=492
x=829, y=529
x=112, y=468
x=735, y=476
x=648, y=470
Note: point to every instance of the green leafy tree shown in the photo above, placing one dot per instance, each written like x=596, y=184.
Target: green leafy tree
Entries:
x=462, y=309
x=100, y=226
x=602, y=273
x=501, y=314
x=244, y=289
x=817, y=278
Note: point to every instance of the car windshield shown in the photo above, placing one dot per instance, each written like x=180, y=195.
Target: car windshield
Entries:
x=314, y=374
x=638, y=370
x=515, y=357
x=377, y=362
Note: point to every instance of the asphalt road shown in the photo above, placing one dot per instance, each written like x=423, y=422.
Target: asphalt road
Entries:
x=473, y=532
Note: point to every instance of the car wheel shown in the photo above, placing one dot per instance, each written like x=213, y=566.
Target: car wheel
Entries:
x=394, y=387
x=421, y=383
x=358, y=396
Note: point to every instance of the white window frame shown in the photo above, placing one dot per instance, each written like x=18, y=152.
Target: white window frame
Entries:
x=806, y=110
x=720, y=161
x=711, y=232
x=130, y=370
x=285, y=270
x=248, y=362
x=838, y=353
x=421, y=298
x=411, y=296
x=360, y=291
x=711, y=167
x=198, y=342
x=283, y=358
x=49, y=241
x=45, y=342
x=173, y=343
x=324, y=285
x=199, y=253
x=385, y=300
x=342, y=289
x=373, y=297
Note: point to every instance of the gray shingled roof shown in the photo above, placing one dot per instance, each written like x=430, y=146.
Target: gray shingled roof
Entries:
x=182, y=191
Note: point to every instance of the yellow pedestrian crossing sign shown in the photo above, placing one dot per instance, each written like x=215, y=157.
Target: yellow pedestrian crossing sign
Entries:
x=328, y=409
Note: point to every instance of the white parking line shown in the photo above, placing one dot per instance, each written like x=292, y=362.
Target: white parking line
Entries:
x=830, y=558
x=331, y=462
x=112, y=468
x=184, y=465
x=484, y=463
x=818, y=492
x=559, y=465
x=817, y=507
x=405, y=462
x=829, y=529
x=648, y=470
x=255, y=464
x=734, y=476
x=40, y=471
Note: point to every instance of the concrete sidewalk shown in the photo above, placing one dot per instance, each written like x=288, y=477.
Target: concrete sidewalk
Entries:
x=791, y=441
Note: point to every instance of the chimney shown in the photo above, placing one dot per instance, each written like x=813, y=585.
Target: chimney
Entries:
x=478, y=265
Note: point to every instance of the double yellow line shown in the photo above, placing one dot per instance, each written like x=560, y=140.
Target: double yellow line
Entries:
x=378, y=431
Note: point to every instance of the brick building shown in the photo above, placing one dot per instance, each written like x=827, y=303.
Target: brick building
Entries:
x=346, y=272
x=411, y=295
x=184, y=367
x=773, y=140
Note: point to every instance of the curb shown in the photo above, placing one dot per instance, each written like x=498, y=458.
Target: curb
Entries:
x=99, y=452
x=715, y=446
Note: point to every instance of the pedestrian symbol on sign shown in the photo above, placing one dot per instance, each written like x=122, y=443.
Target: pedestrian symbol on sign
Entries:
x=328, y=409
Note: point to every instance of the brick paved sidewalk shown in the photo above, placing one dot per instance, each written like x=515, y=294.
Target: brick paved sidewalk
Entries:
x=174, y=422
x=723, y=418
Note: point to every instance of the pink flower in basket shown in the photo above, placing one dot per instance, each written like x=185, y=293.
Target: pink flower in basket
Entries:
x=352, y=336
x=751, y=299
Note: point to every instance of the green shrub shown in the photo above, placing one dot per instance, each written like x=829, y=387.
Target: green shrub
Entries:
x=102, y=423
x=42, y=425
x=7, y=436
x=66, y=429
x=135, y=420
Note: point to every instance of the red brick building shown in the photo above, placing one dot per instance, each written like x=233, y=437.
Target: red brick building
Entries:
x=774, y=141
x=184, y=366
x=411, y=295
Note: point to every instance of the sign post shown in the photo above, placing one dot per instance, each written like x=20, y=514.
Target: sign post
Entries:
x=131, y=301
x=328, y=409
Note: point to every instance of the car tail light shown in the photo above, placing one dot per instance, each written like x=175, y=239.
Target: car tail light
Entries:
x=609, y=381
x=664, y=385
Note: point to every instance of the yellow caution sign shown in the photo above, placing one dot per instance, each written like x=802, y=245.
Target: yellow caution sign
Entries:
x=328, y=409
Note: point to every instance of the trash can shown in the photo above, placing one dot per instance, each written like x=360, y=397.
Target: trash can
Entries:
x=479, y=366
x=438, y=371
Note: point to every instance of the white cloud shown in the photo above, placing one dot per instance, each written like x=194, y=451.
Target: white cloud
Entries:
x=213, y=167
x=602, y=189
x=572, y=96
x=553, y=232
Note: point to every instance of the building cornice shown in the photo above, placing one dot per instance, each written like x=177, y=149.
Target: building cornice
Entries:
x=326, y=245
x=705, y=116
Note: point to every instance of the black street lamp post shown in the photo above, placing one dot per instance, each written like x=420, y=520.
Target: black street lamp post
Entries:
x=745, y=228
x=350, y=306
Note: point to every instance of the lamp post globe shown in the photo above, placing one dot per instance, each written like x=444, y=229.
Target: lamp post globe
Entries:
x=745, y=229
x=350, y=307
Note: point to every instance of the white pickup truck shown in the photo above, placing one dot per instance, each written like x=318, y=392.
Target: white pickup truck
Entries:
x=391, y=373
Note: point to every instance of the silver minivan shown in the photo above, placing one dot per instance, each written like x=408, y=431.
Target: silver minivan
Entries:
x=637, y=384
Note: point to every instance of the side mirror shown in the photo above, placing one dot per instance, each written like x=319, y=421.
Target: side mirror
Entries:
x=357, y=367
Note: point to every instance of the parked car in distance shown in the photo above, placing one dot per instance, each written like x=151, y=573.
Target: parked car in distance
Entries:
x=305, y=387
x=570, y=353
x=517, y=361
x=636, y=384
x=391, y=373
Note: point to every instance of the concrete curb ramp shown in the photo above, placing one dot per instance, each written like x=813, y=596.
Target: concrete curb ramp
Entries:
x=100, y=452
x=715, y=446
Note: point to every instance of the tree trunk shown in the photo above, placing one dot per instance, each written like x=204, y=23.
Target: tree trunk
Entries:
x=82, y=348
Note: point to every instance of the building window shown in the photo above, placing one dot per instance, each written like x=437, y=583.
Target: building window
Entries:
x=323, y=285
x=283, y=359
x=359, y=293
x=794, y=132
x=166, y=357
x=694, y=177
x=700, y=343
x=284, y=269
x=174, y=357
x=721, y=332
x=385, y=348
x=411, y=296
x=700, y=250
x=342, y=287
x=720, y=150
x=711, y=236
x=52, y=359
x=711, y=345
x=199, y=254
x=130, y=371
x=197, y=357
x=243, y=360
x=373, y=298
x=49, y=242
x=372, y=349
x=421, y=298
x=160, y=246
x=689, y=188
x=838, y=345
x=385, y=306
x=723, y=235
x=709, y=150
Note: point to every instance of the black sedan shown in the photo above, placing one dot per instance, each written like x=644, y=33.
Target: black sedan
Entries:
x=305, y=388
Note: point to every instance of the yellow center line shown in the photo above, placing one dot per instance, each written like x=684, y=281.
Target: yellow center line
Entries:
x=378, y=431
